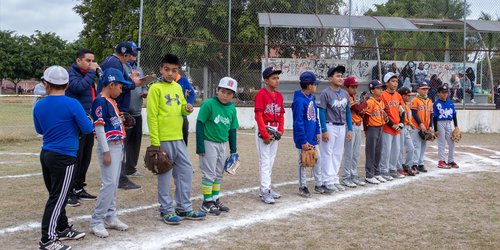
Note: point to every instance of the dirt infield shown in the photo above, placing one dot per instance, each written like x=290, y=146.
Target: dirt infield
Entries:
x=440, y=209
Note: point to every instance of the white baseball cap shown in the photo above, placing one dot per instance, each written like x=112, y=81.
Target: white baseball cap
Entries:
x=228, y=83
x=56, y=75
x=390, y=75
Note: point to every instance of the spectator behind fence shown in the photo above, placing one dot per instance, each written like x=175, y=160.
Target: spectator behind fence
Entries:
x=420, y=73
x=434, y=83
x=466, y=86
x=456, y=93
x=407, y=76
x=469, y=74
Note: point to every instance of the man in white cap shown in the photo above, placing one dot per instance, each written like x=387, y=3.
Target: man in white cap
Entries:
x=58, y=157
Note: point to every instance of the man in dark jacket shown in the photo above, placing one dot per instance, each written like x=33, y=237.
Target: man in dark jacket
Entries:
x=82, y=77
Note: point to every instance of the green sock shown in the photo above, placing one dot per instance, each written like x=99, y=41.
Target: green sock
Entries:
x=206, y=188
x=215, y=190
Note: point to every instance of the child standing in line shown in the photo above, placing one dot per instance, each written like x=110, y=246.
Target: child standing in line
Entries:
x=269, y=114
x=407, y=148
x=373, y=120
x=421, y=109
x=110, y=133
x=58, y=156
x=334, y=114
x=216, y=124
x=306, y=132
x=444, y=113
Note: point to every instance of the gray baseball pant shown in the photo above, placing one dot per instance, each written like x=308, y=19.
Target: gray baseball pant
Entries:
x=183, y=177
x=390, y=151
x=212, y=163
x=418, y=154
x=445, y=129
x=351, y=155
x=106, y=200
x=407, y=149
x=373, y=150
x=303, y=171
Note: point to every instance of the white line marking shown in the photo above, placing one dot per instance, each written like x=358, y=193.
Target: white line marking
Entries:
x=16, y=153
x=253, y=134
x=20, y=176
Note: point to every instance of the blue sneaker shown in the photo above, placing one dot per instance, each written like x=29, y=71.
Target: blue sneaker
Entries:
x=192, y=215
x=171, y=218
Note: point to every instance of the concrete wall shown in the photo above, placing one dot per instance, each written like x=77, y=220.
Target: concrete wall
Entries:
x=471, y=121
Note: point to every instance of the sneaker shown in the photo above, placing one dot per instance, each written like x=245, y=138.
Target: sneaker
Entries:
x=372, y=180
x=275, y=194
x=221, y=206
x=328, y=190
x=380, y=179
x=387, y=177
x=472, y=101
x=72, y=201
x=171, y=218
x=137, y=174
x=193, y=215
x=421, y=168
x=333, y=188
x=349, y=183
x=414, y=169
x=393, y=174
x=70, y=234
x=339, y=187
x=408, y=170
x=267, y=197
x=304, y=192
x=402, y=172
x=99, y=231
x=209, y=207
x=319, y=189
x=442, y=164
x=52, y=245
x=397, y=175
x=129, y=185
x=453, y=165
x=115, y=223
x=358, y=182
x=83, y=195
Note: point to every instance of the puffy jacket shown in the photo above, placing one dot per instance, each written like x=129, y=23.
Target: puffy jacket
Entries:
x=305, y=119
x=81, y=87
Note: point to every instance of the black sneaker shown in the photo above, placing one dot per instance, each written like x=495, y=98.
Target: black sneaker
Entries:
x=210, y=208
x=422, y=169
x=304, y=192
x=221, y=206
x=83, y=195
x=70, y=234
x=129, y=185
x=319, y=189
x=327, y=190
x=52, y=245
x=73, y=201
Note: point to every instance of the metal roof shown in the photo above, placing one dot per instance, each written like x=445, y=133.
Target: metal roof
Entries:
x=485, y=26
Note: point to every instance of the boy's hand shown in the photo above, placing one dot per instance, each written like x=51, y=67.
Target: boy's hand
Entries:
x=306, y=146
x=318, y=138
x=349, y=135
x=189, y=107
x=267, y=141
x=436, y=133
x=106, y=158
x=422, y=127
x=324, y=137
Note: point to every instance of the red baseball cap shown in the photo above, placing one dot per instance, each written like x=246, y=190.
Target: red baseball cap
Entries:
x=351, y=81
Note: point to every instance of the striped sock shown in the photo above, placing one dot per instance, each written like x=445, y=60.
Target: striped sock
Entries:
x=206, y=188
x=216, y=189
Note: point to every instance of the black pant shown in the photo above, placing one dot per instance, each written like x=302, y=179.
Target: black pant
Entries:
x=84, y=155
x=373, y=150
x=132, y=147
x=58, y=170
x=185, y=130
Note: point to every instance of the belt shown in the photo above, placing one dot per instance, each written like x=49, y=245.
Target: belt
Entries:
x=336, y=123
x=117, y=142
x=356, y=123
x=273, y=124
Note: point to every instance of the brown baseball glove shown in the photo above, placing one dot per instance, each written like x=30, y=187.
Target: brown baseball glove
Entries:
x=427, y=135
x=128, y=120
x=309, y=158
x=157, y=161
x=456, y=135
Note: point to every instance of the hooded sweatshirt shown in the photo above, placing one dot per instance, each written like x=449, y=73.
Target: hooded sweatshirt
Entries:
x=305, y=119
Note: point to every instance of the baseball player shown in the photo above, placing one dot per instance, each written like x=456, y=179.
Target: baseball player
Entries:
x=373, y=119
x=58, y=156
x=306, y=132
x=190, y=96
x=165, y=106
x=109, y=133
x=269, y=115
x=216, y=124
x=444, y=113
x=391, y=130
x=350, y=159
x=334, y=114
x=421, y=109
x=407, y=148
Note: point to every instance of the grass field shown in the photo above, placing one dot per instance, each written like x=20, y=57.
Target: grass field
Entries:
x=443, y=209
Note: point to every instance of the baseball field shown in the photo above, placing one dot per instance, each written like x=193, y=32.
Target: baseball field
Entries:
x=441, y=209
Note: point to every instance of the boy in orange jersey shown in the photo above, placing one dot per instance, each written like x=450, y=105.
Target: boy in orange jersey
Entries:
x=350, y=176
x=373, y=119
x=407, y=148
x=391, y=130
x=421, y=109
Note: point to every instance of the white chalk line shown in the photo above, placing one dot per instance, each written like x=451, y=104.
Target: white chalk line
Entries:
x=157, y=239
x=17, y=153
x=20, y=176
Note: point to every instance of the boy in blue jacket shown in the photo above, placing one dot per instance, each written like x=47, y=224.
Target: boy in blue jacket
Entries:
x=306, y=132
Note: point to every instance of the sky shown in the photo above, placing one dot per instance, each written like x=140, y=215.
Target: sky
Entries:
x=57, y=16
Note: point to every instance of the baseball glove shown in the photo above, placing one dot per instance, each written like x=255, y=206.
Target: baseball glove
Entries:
x=427, y=135
x=232, y=163
x=456, y=135
x=309, y=158
x=157, y=161
x=275, y=135
x=128, y=120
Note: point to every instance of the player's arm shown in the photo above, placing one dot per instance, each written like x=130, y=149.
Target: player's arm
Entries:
x=152, y=110
x=202, y=118
x=298, y=121
x=191, y=95
x=348, y=118
x=38, y=128
x=232, y=133
x=78, y=85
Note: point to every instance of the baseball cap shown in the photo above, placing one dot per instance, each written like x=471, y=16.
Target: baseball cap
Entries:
x=134, y=46
x=125, y=48
x=308, y=77
x=423, y=84
x=404, y=91
x=113, y=75
x=351, y=81
x=270, y=71
x=332, y=70
x=443, y=87
x=56, y=75
x=374, y=84
x=389, y=75
x=228, y=83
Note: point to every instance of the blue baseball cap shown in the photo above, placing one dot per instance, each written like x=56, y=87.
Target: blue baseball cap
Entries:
x=374, y=84
x=134, y=46
x=308, y=77
x=113, y=75
x=125, y=48
x=270, y=71
x=423, y=84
